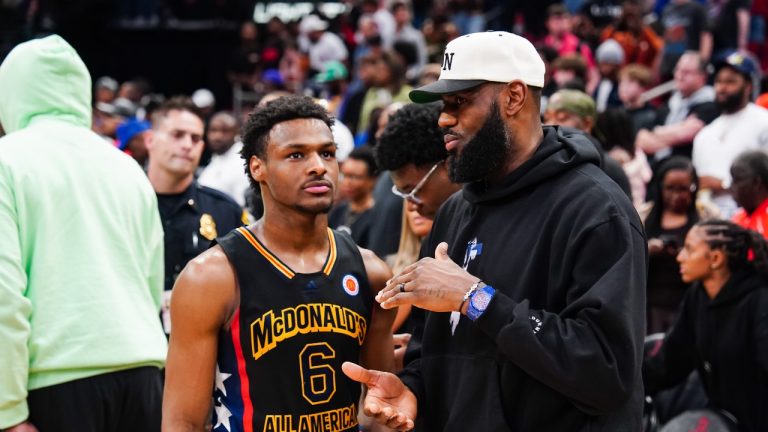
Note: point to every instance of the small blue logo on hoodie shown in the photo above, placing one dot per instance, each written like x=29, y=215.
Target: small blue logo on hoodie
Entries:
x=474, y=249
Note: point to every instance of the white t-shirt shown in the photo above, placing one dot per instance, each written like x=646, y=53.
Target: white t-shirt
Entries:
x=717, y=145
x=328, y=47
x=226, y=173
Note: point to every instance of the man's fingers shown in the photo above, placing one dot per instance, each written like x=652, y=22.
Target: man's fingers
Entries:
x=400, y=288
x=359, y=373
x=401, y=339
x=395, y=285
x=441, y=252
x=372, y=410
x=397, y=421
x=409, y=425
x=398, y=300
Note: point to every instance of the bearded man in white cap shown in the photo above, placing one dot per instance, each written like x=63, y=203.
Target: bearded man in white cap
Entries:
x=536, y=289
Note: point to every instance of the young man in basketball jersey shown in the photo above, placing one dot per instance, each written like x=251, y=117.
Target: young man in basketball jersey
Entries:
x=264, y=320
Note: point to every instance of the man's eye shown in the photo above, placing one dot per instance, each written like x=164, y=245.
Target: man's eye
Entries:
x=296, y=155
x=460, y=100
x=329, y=154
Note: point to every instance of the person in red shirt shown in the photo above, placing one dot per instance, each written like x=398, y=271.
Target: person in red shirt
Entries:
x=560, y=37
x=749, y=188
x=640, y=43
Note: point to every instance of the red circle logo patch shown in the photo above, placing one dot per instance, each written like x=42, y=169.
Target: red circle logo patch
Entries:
x=350, y=285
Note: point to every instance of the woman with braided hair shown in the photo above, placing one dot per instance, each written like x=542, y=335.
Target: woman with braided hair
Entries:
x=722, y=329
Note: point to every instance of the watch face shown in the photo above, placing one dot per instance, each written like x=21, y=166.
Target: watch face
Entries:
x=480, y=300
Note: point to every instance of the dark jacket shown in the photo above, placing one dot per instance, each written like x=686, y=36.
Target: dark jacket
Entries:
x=199, y=215
x=560, y=346
x=726, y=340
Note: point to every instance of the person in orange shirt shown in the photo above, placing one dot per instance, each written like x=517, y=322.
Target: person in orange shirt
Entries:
x=640, y=43
x=749, y=188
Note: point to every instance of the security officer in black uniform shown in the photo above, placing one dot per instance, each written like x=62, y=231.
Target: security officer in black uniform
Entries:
x=192, y=215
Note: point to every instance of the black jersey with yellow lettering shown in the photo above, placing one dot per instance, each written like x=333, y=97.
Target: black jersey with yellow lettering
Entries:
x=279, y=362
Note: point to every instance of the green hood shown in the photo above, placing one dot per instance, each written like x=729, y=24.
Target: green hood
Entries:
x=44, y=77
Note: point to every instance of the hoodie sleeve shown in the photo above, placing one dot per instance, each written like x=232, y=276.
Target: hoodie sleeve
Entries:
x=761, y=330
x=676, y=358
x=591, y=350
x=15, y=310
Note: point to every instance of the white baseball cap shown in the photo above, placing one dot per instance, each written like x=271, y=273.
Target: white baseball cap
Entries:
x=476, y=58
x=311, y=23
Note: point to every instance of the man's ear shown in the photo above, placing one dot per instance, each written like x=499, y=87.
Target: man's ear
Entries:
x=515, y=94
x=149, y=139
x=589, y=123
x=256, y=166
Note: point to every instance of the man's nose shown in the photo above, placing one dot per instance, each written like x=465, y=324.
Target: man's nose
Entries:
x=446, y=120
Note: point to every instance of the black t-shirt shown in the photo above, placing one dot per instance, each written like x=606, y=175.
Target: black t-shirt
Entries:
x=666, y=288
x=683, y=25
x=357, y=225
x=723, y=23
x=705, y=111
x=386, y=217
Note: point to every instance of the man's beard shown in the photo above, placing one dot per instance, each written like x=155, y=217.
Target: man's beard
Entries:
x=484, y=154
x=732, y=102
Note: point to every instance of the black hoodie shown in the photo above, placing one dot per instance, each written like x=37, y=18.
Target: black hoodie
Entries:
x=560, y=346
x=726, y=340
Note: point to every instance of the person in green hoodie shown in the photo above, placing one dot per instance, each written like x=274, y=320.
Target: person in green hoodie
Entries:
x=81, y=262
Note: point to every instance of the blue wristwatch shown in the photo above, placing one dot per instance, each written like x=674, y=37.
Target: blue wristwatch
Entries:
x=479, y=301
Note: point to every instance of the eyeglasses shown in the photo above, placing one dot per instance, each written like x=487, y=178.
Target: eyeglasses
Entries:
x=411, y=196
x=679, y=188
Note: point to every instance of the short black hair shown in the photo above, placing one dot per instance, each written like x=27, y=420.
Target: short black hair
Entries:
x=365, y=154
x=264, y=118
x=176, y=103
x=412, y=136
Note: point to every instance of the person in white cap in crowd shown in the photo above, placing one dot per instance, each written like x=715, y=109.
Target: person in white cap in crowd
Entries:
x=105, y=90
x=205, y=101
x=321, y=45
x=536, y=291
x=610, y=58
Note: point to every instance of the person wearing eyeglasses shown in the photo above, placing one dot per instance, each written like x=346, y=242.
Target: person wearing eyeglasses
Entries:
x=192, y=215
x=669, y=214
x=411, y=148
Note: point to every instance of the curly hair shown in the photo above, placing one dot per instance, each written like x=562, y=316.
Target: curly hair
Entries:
x=744, y=248
x=412, y=136
x=263, y=118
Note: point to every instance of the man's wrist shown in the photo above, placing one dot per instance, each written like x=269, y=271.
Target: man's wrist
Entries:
x=479, y=301
x=465, y=300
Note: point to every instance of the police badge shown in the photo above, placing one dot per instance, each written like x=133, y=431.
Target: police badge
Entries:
x=207, y=226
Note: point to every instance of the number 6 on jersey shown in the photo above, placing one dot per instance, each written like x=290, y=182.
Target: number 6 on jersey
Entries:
x=318, y=379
